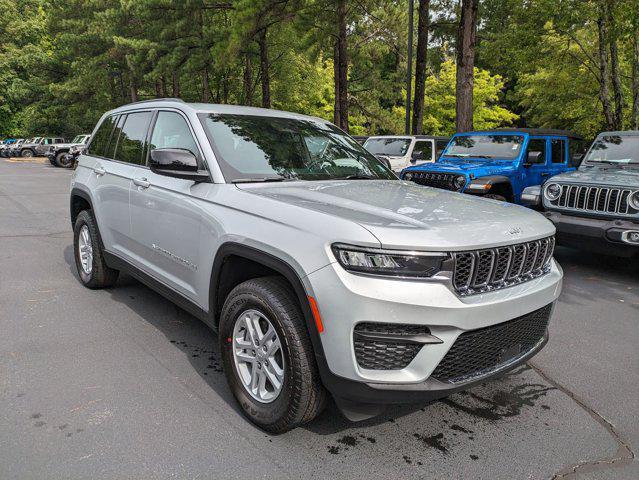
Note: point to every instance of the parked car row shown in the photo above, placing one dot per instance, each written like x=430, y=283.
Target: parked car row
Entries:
x=60, y=154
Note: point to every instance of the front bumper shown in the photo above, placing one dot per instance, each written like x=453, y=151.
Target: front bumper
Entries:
x=346, y=300
x=599, y=235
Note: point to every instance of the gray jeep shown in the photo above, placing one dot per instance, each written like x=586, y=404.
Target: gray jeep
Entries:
x=597, y=206
x=39, y=146
x=58, y=153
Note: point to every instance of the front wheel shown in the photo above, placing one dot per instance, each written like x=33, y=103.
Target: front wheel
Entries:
x=268, y=357
x=59, y=159
x=26, y=153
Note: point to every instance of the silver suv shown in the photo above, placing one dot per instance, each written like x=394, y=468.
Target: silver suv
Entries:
x=319, y=269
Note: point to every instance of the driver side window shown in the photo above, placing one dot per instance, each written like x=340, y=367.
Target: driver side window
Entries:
x=423, y=150
x=538, y=145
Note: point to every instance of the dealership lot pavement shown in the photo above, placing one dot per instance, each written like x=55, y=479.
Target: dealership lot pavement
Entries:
x=122, y=384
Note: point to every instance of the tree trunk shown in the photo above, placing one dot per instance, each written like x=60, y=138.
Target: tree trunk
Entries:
x=634, y=117
x=133, y=88
x=163, y=86
x=466, y=38
x=342, y=85
x=614, y=67
x=206, y=87
x=158, y=89
x=247, y=88
x=336, y=114
x=420, y=67
x=265, y=70
x=176, y=85
x=604, y=74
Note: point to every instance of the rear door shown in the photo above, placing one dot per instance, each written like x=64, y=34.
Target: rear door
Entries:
x=118, y=153
x=166, y=220
x=558, y=162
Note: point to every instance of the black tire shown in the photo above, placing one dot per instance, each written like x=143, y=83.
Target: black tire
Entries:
x=302, y=396
x=27, y=152
x=59, y=159
x=100, y=275
x=494, y=196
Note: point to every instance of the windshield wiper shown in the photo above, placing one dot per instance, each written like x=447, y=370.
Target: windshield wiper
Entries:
x=261, y=180
x=358, y=176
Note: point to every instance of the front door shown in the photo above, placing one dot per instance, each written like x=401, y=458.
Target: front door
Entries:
x=536, y=173
x=166, y=221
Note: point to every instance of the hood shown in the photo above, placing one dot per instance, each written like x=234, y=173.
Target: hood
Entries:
x=407, y=216
x=65, y=145
x=604, y=175
x=469, y=166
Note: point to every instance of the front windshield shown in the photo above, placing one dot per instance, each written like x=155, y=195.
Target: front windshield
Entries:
x=266, y=148
x=78, y=139
x=615, y=149
x=485, y=146
x=393, y=147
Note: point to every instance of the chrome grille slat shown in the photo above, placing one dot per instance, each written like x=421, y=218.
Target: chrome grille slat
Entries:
x=594, y=198
x=479, y=271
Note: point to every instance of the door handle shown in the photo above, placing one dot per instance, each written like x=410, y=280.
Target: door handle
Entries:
x=545, y=174
x=99, y=170
x=142, y=182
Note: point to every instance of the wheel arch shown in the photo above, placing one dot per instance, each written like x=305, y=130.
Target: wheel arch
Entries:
x=263, y=264
x=79, y=200
x=497, y=184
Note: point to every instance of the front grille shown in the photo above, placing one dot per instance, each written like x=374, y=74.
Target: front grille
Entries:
x=378, y=354
x=437, y=180
x=606, y=200
x=490, y=269
x=479, y=352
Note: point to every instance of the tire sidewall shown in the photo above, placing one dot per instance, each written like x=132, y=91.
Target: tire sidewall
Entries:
x=79, y=223
x=59, y=159
x=27, y=153
x=264, y=414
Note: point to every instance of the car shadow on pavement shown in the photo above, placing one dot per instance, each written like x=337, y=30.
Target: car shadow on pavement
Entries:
x=590, y=276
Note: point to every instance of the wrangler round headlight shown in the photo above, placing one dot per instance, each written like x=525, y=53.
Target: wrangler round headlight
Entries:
x=394, y=263
x=633, y=200
x=408, y=176
x=459, y=182
x=553, y=191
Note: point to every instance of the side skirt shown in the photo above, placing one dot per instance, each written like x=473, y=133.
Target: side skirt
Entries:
x=167, y=292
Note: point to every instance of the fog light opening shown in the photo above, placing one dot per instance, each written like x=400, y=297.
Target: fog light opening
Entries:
x=630, y=236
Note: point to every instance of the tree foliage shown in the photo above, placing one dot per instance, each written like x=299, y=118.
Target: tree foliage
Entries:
x=548, y=63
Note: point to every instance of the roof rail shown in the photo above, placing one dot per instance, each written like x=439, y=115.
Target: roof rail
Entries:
x=168, y=99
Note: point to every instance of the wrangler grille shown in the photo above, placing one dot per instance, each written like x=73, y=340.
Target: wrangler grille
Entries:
x=606, y=200
x=479, y=352
x=437, y=180
x=480, y=271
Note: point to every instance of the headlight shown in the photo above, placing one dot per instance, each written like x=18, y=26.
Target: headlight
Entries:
x=459, y=182
x=553, y=192
x=388, y=262
x=633, y=200
x=408, y=176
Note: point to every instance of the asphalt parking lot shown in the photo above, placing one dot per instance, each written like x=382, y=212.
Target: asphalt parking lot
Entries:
x=121, y=383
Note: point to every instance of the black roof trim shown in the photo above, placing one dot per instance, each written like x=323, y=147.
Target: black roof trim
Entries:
x=168, y=99
x=535, y=131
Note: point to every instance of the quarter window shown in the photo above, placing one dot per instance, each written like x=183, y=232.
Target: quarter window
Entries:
x=558, y=150
x=172, y=131
x=100, y=140
x=132, y=138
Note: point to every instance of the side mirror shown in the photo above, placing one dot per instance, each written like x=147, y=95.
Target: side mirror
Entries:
x=533, y=158
x=177, y=163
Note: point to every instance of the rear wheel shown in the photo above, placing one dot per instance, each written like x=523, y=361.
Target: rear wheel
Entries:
x=89, y=254
x=267, y=355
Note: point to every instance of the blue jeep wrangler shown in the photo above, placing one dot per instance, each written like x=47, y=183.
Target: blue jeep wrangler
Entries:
x=499, y=164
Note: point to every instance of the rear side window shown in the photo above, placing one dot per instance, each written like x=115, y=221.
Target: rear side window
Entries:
x=172, y=131
x=100, y=140
x=132, y=140
x=558, y=150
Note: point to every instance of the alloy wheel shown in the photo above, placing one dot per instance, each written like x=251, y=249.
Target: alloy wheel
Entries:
x=258, y=356
x=85, y=248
